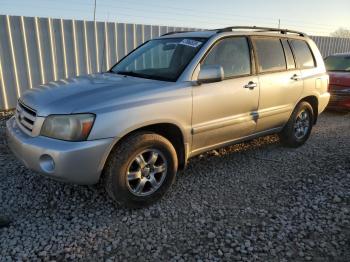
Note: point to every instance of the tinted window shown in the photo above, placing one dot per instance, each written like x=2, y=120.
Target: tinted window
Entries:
x=270, y=54
x=302, y=54
x=338, y=63
x=289, y=55
x=232, y=54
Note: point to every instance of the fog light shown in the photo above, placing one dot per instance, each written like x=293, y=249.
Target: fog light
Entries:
x=47, y=163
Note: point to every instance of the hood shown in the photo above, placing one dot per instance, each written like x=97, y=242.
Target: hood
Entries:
x=339, y=78
x=91, y=93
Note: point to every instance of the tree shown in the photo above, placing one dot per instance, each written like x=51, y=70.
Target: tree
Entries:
x=341, y=32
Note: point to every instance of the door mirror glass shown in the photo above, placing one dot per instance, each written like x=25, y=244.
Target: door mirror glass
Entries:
x=210, y=74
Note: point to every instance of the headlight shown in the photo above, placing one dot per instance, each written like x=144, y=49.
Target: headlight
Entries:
x=68, y=127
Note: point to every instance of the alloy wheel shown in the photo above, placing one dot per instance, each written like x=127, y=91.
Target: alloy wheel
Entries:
x=146, y=172
x=302, y=124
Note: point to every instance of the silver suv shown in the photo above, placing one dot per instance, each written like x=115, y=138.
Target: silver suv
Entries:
x=172, y=98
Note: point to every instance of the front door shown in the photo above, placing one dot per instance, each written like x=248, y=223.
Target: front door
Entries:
x=226, y=110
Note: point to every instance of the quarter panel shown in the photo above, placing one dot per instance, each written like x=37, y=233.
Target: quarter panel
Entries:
x=316, y=79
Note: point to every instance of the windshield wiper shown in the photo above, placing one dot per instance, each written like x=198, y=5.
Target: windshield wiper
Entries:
x=128, y=73
x=132, y=73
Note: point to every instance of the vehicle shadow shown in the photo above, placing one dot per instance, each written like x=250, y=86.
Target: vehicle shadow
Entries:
x=247, y=146
x=336, y=112
x=52, y=196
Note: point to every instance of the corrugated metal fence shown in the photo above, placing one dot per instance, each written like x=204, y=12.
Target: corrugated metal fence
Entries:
x=35, y=50
x=330, y=45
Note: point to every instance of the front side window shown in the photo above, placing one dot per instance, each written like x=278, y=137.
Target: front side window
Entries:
x=303, y=55
x=339, y=63
x=160, y=59
x=270, y=54
x=232, y=54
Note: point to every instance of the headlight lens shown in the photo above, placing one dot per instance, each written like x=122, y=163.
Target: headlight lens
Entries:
x=68, y=127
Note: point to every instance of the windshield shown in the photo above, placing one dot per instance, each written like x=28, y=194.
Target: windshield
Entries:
x=338, y=63
x=160, y=59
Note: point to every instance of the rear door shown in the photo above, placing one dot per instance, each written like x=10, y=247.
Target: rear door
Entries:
x=280, y=81
x=225, y=110
x=306, y=63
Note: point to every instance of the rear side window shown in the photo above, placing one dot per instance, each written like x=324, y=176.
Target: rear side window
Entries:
x=303, y=55
x=270, y=54
x=289, y=55
x=233, y=54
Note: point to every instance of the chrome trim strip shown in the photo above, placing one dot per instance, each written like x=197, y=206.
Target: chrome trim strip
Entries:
x=21, y=104
x=25, y=114
x=238, y=119
x=25, y=118
x=26, y=124
x=223, y=122
x=271, y=111
x=23, y=129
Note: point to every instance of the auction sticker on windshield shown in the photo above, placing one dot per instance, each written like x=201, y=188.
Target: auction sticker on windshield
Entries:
x=190, y=42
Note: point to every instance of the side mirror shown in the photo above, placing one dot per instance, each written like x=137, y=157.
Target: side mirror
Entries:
x=210, y=74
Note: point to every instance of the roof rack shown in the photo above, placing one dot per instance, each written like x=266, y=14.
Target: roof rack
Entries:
x=261, y=29
x=175, y=32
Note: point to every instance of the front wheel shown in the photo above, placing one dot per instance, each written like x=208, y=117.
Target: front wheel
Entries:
x=140, y=169
x=298, y=128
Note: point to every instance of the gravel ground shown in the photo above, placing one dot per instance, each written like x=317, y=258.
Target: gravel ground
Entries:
x=252, y=201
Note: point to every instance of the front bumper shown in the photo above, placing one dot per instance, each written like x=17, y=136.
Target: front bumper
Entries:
x=75, y=162
x=339, y=101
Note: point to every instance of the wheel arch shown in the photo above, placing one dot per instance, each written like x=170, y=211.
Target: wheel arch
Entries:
x=170, y=131
x=313, y=101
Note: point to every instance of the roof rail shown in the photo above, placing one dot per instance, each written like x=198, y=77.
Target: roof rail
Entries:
x=261, y=29
x=175, y=32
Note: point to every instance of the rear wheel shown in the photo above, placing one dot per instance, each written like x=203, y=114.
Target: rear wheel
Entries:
x=298, y=128
x=140, y=170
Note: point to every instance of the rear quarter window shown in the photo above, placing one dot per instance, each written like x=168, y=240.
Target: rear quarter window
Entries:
x=303, y=55
x=270, y=54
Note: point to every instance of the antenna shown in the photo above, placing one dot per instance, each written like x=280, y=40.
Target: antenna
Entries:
x=95, y=11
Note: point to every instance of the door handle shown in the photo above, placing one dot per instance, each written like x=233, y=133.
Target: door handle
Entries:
x=250, y=85
x=295, y=77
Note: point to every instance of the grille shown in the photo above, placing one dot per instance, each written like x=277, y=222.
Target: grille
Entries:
x=25, y=117
x=339, y=93
x=337, y=98
x=338, y=90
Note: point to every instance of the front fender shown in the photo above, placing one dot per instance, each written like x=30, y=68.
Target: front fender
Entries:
x=174, y=109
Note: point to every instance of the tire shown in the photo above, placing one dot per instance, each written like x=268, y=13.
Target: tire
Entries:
x=294, y=133
x=130, y=176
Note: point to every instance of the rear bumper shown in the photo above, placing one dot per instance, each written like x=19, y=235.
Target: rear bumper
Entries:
x=75, y=162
